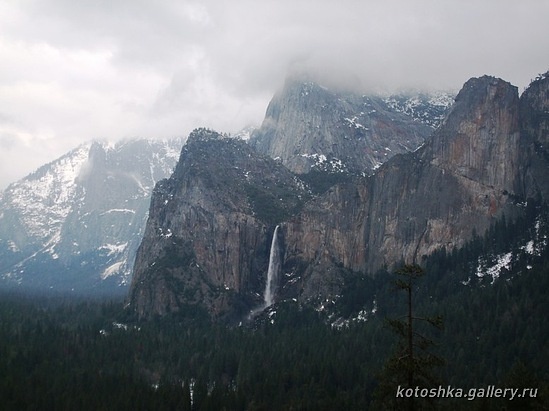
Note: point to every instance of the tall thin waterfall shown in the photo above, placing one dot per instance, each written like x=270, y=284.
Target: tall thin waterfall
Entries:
x=274, y=269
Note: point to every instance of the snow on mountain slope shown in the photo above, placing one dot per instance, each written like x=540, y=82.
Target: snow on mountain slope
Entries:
x=76, y=222
x=44, y=198
x=428, y=108
x=306, y=121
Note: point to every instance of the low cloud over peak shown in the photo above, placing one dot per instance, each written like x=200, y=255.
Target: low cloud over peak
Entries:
x=74, y=71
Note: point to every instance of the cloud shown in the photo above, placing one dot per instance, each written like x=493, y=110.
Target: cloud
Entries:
x=76, y=70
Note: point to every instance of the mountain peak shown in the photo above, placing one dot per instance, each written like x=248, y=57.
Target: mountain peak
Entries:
x=306, y=121
x=78, y=220
x=479, y=139
x=208, y=227
x=204, y=134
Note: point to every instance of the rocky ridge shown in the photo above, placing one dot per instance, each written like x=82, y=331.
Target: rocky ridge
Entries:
x=76, y=223
x=484, y=161
x=208, y=233
x=463, y=179
x=308, y=126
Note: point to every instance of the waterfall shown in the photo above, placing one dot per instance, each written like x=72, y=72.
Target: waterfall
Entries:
x=273, y=270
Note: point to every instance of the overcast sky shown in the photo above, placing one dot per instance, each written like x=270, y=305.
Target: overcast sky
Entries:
x=76, y=70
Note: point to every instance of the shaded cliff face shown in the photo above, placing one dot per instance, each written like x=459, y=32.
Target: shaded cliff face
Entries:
x=308, y=126
x=463, y=178
x=209, y=228
x=534, y=110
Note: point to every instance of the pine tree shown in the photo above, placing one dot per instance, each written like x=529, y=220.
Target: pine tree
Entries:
x=412, y=363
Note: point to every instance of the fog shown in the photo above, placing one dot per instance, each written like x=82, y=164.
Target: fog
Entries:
x=72, y=71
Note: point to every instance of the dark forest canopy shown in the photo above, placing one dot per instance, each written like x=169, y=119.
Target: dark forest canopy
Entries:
x=62, y=353
x=66, y=352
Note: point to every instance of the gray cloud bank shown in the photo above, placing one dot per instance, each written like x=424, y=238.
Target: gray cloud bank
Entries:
x=72, y=71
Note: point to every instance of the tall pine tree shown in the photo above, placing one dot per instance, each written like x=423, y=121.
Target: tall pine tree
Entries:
x=412, y=363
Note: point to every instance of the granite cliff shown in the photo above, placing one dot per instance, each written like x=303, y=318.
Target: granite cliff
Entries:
x=208, y=235
x=465, y=177
x=534, y=125
x=308, y=126
x=210, y=225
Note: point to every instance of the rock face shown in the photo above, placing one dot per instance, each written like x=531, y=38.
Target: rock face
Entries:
x=208, y=234
x=534, y=118
x=307, y=125
x=75, y=224
x=471, y=172
x=464, y=177
x=479, y=140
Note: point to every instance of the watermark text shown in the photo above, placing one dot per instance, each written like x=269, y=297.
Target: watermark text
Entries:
x=491, y=391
